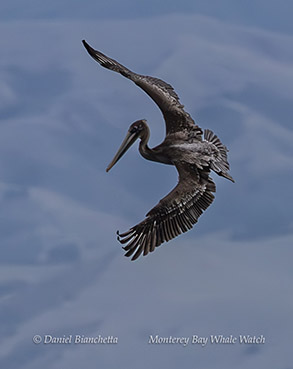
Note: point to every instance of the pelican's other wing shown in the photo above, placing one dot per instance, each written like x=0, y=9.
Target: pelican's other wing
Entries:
x=162, y=93
x=174, y=214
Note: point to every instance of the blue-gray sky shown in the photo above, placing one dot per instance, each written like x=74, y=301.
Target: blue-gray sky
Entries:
x=62, y=119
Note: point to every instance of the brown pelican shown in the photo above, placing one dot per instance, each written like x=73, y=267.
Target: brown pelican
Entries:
x=184, y=147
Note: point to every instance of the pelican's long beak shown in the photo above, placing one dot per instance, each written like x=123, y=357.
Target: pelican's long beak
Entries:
x=127, y=142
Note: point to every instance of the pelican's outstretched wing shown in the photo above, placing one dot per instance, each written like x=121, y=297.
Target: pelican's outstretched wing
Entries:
x=174, y=214
x=162, y=93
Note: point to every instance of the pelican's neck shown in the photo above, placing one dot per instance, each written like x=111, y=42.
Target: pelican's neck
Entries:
x=151, y=154
x=144, y=149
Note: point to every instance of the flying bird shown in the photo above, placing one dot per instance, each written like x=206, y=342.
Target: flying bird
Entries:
x=193, y=152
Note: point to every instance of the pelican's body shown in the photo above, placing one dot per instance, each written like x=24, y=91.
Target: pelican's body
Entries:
x=184, y=147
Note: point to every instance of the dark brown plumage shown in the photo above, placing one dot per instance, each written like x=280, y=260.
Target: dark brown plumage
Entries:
x=184, y=147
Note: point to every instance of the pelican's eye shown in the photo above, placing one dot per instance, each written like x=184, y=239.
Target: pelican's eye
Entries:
x=136, y=128
x=133, y=129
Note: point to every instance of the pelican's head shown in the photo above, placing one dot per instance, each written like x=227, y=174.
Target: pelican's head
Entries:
x=138, y=129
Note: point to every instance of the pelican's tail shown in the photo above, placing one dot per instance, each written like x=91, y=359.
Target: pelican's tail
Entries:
x=219, y=162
